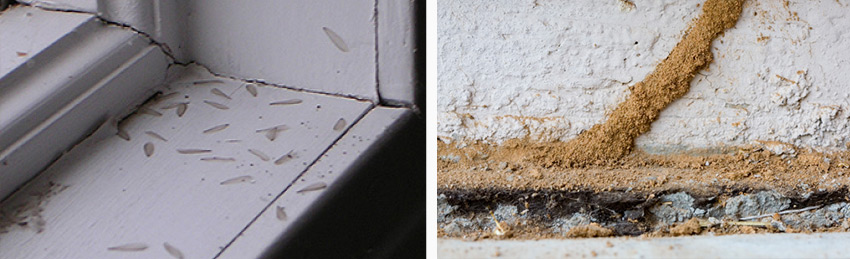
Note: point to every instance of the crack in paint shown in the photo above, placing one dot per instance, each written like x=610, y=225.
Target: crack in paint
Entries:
x=162, y=46
x=174, y=61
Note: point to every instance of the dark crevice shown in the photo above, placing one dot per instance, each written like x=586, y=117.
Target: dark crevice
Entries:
x=260, y=81
x=623, y=211
x=6, y=4
x=377, y=54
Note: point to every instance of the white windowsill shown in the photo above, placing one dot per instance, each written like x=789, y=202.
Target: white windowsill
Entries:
x=80, y=76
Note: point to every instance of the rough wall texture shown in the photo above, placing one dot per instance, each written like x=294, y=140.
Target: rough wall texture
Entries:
x=551, y=69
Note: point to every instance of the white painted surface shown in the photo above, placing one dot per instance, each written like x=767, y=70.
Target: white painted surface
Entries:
x=30, y=95
x=89, y=6
x=161, y=20
x=27, y=31
x=822, y=245
x=551, y=69
x=91, y=73
x=110, y=97
x=107, y=188
x=332, y=166
x=396, y=31
x=282, y=42
x=117, y=195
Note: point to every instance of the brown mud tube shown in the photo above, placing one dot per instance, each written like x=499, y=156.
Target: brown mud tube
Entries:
x=669, y=81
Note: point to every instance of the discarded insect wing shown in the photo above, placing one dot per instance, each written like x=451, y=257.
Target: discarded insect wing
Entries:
x=336, y=39
x=240, y=179
x=173, y=251
x=149, y=111
x=123, y=134
x=251, y=89
x=218, y=92
x=193, y=151
x=166, y=97
x=232, y=141
x=149, y=149
x=218, y=158
x=281, y=215
x=216, y=128
x=287, y=102
x=129, y=247
x=156, y=136
x=284, y=158
x=313, y=187
x=271, y=135
x=260, y=154
x=173, y=105
x=340, y=124
x=217, y=105
x=181, y=109
x=277, y=128
x=207, y=81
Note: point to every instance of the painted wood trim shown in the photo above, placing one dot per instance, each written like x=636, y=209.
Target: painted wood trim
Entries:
x=91, y=74
x=397, y=47
x=340, y=162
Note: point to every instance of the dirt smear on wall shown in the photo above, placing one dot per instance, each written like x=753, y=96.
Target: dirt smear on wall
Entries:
x=671, y=79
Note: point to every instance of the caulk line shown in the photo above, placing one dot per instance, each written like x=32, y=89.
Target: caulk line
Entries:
x=377, y=53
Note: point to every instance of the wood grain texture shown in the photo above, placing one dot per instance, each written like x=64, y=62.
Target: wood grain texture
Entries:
x=116, y=195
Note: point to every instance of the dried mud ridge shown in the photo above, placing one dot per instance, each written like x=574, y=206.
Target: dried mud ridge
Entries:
x=533, y=214
x=668, y=82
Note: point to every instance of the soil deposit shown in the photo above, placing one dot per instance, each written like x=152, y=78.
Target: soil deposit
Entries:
x=671, y=79
x=597, y=185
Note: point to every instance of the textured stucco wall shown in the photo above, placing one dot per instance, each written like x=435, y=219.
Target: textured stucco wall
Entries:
x=551, y=69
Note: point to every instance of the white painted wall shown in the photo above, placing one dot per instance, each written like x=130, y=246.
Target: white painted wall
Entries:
x=283, y=42
x=280, y=42
x=90, y=73
x=551, y=69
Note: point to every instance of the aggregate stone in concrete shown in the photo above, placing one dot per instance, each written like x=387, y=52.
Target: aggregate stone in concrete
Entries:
x=507, y=213
x=756, y=204
x=457, y=226
x=669, y=209
x=672, y=208
x=829, y=216
x=452, y=225
x=443, y=208
x=563, y=225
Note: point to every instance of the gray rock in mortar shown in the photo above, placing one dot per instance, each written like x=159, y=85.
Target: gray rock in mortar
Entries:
x=756, y=204
x=673, y=208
